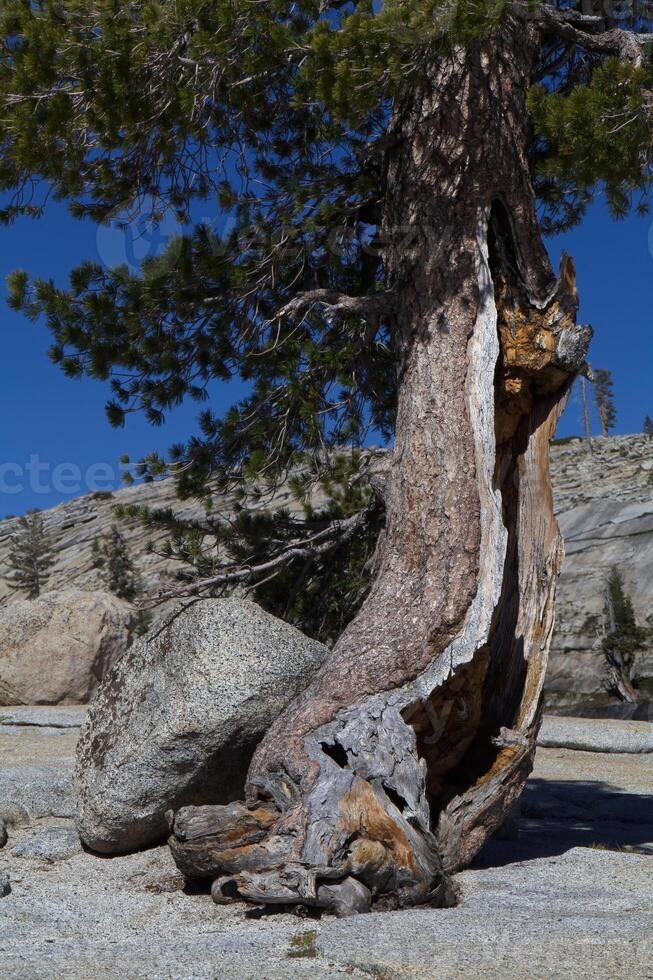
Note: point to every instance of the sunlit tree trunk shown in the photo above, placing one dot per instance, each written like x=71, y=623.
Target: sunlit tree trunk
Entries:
x=415, y=739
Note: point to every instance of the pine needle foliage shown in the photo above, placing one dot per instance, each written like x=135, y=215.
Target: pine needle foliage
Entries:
x=624, y=634
x=111, y=557
x=604, y=394
x=595, y=135
x=318, y=579
x=30, y=556
x=624, y=637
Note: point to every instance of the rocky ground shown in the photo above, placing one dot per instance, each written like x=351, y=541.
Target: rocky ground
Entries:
x=572, y=897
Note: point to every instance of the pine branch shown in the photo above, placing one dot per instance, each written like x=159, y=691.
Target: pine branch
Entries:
x=317, y=546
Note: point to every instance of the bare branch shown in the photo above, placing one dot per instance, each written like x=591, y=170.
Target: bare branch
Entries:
x=556, y=64
x=369, y=307
x=588, y=32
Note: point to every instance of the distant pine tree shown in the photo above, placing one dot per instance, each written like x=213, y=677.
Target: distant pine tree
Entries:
x=111, y=556
x=605, y=400
x=623, y=638
x=586, y=416
x=30, y=556
x=648, y=426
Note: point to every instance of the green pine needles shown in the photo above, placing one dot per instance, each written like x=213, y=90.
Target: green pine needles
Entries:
x=623, y=639
x=604, y=395
x=111, y=557
x=30, y=556
x=593, y=136
x=624, y=634
x=305, y=555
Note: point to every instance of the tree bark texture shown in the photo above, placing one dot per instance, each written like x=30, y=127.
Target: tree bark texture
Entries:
x=414, y=741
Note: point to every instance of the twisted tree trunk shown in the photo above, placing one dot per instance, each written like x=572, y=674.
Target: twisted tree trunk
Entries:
x=415, y=739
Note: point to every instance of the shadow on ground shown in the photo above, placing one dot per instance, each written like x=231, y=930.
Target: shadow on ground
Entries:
x=559, y=815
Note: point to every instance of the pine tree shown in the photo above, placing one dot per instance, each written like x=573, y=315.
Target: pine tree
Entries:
x=605, y=400
x=30, y=556
x=111, y=556
x=648, y=426
x=586, y=416
x=384, y=175
x=622, y=640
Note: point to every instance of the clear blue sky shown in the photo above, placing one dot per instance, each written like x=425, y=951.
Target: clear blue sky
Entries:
x=56, y=442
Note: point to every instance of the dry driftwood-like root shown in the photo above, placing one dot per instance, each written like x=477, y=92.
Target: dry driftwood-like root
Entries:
x=413, y=742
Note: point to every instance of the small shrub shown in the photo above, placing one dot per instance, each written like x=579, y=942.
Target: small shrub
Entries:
x=303, y=947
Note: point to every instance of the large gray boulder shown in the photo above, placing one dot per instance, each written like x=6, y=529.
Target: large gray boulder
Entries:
x=55, y=649
x=177, y=718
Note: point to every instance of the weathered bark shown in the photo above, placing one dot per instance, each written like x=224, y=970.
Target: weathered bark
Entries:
x=415, y=739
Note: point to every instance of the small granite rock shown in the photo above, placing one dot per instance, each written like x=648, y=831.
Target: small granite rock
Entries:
x=593, y=735
x=49, y=844
x=56, y=648
x=38, y=791
x=176, y=719
x=3, y=834
x=13, y=815
x=47, y=717
x=5, y=885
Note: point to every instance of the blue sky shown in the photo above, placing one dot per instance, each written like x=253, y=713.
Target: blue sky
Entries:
x=56, y=442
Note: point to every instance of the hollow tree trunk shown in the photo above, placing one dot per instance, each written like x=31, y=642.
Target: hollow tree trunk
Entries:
x=415, y=739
